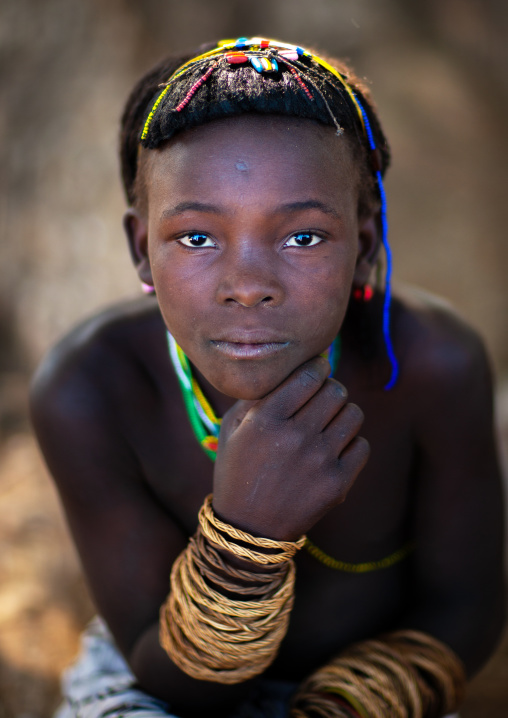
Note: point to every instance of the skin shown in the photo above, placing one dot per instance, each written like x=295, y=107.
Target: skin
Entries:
x=253, y=307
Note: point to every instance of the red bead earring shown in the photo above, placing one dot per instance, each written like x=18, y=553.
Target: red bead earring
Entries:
x=363, y=294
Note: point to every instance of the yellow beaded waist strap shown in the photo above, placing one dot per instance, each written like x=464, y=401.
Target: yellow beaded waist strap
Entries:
x=366, y=567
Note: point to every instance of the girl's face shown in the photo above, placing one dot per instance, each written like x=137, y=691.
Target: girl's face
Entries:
x=251, y=239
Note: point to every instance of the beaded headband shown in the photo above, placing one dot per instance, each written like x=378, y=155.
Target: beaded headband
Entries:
x=267, y=56
x=264, y=56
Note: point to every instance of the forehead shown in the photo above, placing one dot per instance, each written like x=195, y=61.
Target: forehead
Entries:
x=272, y=156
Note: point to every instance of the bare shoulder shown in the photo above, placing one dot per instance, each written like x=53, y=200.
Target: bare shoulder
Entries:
x=84, y=393
x=437, y=348
x=93, y=361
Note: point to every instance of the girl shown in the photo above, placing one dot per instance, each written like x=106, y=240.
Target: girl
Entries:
x=253, y=172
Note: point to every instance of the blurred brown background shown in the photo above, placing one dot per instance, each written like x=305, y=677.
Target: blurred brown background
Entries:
x=439, y=73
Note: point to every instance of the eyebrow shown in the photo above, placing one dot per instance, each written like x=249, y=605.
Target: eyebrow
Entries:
x=183, y=207
x=308, y=204
x=288, y=208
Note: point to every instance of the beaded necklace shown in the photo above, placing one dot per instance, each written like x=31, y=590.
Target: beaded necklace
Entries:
x=206, y=427
x=205, y=424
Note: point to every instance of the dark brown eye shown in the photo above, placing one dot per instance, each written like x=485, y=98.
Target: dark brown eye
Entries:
x=196, y=239
x=303, y=239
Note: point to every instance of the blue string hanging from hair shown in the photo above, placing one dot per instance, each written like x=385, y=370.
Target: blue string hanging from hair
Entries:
x=388, y=253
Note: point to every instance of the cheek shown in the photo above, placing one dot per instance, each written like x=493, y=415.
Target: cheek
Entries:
x=180, y=311
x=331, y=288
x=181, y=288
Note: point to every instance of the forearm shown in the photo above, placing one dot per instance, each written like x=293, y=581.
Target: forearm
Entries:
x=422, y=666
x=403, y=673
x=224, y=618
x=159, y=676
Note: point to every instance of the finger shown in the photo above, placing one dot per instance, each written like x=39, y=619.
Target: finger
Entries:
x=324, y=406
x=353, y=459
x=295, y=391
x=344, y=427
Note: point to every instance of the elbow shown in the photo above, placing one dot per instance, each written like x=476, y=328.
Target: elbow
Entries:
x=490, y=622
x=497, y=621
x=471, y=626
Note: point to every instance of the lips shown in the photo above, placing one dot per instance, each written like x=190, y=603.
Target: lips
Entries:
x=248, y=346
x=250, y=336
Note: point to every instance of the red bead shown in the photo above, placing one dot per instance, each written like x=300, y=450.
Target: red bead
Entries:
x=236, y=58
x=363, y=294
x=196, y=87
x=301, y=82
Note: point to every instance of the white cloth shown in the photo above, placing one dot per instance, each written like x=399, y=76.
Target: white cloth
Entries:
x=100, y=684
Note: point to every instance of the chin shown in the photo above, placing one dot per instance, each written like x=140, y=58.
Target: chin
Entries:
x=254, y=395
x=246, y=392
x=245, y=385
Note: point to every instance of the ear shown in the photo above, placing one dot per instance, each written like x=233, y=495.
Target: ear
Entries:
x=369, y=242
x=136, y=229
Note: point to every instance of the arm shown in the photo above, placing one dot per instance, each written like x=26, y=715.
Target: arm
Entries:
x=459, y=593
x=127, y=541
x=457, y=588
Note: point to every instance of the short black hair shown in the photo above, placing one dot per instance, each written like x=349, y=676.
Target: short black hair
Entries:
x=232, y=90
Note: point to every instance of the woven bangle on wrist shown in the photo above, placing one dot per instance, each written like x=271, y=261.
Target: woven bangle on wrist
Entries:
x=405, y=673
x=214, y=529
x=222, y=623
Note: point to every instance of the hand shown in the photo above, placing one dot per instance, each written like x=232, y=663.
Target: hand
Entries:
x=284, y=461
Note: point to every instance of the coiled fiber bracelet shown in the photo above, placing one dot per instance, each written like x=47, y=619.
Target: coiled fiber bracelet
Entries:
x=405, y=674
x=213, y=528
x=211, y=636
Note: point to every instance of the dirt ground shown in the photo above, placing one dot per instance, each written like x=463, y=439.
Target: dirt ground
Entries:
x=44, y=602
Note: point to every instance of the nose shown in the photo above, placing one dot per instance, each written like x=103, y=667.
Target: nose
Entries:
x=249, y=278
